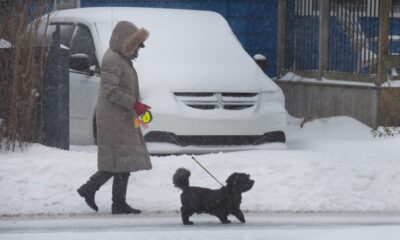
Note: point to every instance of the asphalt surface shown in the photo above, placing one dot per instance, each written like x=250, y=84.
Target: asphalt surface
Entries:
x=172, y=222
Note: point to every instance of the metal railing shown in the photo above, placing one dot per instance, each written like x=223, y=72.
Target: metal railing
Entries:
x=338, y=39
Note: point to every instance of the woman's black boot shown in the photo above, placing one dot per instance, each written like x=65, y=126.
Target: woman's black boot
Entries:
x=89, y=189
x=119, y=205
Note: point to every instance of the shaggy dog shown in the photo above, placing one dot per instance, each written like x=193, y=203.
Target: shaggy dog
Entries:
x=220, y=202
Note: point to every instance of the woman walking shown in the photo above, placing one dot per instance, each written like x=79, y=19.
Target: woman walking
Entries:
x=121, y=148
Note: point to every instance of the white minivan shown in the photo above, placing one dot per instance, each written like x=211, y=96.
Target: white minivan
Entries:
x=207, y=94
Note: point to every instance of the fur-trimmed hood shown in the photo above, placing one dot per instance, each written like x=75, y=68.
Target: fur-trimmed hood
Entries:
x=126, y=38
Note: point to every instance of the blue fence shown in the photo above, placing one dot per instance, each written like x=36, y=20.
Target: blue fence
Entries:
x=254, y=22
x=352, y=39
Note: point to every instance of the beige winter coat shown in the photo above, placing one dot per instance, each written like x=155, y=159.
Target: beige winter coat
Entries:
x=120, y=145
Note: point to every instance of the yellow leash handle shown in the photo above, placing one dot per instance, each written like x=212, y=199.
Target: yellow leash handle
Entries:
x=146, y=117
x=144, y=120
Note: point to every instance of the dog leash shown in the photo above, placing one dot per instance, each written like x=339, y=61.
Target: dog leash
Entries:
x=194, y=159
x=205, y=169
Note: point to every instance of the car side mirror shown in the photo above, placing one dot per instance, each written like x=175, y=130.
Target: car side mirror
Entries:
x=81, y=62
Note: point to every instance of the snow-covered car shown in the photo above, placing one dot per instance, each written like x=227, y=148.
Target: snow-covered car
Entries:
x=207, y=94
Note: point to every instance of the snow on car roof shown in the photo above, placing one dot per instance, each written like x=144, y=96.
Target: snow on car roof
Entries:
x=184, y=44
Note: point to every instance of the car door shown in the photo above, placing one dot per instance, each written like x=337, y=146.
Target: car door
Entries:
x=84, y=87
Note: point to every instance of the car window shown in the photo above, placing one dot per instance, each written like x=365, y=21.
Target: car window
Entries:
x=82, y=42
x=65, y=33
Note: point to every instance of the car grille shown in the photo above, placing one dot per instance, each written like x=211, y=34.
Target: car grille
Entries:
x=231, y=140
x=209, y=101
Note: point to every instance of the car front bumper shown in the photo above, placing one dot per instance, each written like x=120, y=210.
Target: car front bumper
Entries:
x=156, y=148
x=249, y=129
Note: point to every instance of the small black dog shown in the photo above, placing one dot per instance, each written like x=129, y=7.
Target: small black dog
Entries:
x=220, y=202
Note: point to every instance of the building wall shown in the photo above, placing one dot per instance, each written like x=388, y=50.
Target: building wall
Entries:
x=254, y=22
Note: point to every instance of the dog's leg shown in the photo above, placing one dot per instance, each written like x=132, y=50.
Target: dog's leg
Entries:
x=185, y=216
x=239, y=215
x=224, y=219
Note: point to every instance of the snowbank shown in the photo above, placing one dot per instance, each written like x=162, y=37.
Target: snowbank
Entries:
x=393, y=84
x=331, y=165
x=292, y=77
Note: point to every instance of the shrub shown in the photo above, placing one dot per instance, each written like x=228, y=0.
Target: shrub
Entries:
x=21, y=71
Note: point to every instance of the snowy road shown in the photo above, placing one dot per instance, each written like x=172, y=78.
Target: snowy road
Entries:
x=258, y=226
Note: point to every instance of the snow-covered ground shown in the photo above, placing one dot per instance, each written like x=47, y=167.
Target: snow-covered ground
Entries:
x=331, y=165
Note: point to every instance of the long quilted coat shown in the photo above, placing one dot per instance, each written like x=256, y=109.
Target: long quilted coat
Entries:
x=121, y=147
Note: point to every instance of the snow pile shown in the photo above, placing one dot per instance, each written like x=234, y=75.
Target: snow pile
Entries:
x=392, y=83
x=328, y=133
x=259, y=57
x=292, y=77
x=331, y=165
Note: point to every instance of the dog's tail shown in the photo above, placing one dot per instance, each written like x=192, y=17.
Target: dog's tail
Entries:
x=181, y=178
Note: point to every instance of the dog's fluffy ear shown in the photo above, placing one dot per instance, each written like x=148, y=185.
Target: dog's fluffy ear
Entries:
x=133, y=42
